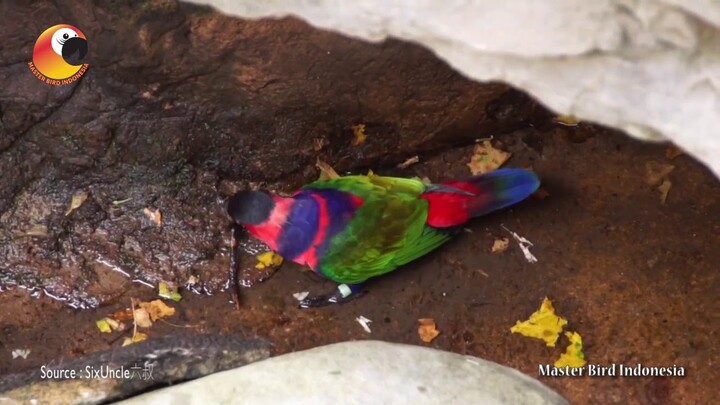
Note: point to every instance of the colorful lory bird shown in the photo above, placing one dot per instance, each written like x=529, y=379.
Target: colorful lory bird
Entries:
x=349, y=229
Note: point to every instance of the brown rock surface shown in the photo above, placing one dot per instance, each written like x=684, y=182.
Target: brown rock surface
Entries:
x=177, y=98
x=181, y=105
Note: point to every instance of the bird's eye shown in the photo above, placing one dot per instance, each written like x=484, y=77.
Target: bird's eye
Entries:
x=66, y=36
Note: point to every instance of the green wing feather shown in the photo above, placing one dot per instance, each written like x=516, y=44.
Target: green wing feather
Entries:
x=373, y=186
x=387, y=231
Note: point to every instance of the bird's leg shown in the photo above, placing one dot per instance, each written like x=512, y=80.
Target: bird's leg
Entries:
x=342, y=294
x=233, y=286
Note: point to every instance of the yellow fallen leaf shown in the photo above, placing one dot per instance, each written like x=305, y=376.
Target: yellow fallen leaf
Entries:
x=165, y=291
x=103, y=325
x=137, y=337
x=567, y=120
x=115, y=324
x=326, y=171
x=427, y=330
x=543, y=324
x=672, y=151
x=573, y=356
x=664, y=189
x=107, y=325
x=359, y=136
x=486, y=158
x=154, y=216
x=157, y=309
x=500, y=245
x=268, y=259
x=655, y=172
x=142, y=318
x=77, y=200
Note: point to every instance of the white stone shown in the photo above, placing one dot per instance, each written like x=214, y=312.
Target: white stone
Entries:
x=648, y=67
x=361, y=372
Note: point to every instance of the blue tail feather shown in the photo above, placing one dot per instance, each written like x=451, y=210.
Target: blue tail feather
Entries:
x=502, y=188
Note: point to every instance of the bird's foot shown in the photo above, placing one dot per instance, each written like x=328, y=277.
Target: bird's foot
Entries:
x=342, y=294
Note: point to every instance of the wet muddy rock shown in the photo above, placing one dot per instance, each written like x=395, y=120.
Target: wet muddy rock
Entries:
x=179, y=98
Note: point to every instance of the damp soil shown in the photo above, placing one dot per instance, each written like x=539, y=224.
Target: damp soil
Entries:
x=157, y=129
x=637, y=278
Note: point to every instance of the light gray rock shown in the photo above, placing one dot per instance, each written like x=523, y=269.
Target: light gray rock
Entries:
x=648, y=67
x=361, y=372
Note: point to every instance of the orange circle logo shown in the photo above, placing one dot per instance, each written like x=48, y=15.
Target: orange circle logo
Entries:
x=58, y=55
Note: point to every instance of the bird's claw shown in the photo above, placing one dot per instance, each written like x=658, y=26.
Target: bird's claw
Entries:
x=344, y=293
x=316, y=302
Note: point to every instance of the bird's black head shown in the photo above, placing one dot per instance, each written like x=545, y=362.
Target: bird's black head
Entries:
x=250, y=207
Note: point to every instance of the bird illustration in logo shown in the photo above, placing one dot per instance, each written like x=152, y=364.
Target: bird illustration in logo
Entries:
x=59, y=51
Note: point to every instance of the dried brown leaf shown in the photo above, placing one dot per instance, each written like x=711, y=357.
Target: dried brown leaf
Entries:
x=409, y=162
x=664, y=189
x=157, y=309
x=672, y=151
x=655, y=172
x=154, y=216
x=359, y=136
x=142, y=318
x=326, y=171
x=115, y=324
x=318, y=144
x=486, y=158
x=500, y=245
x=427, y=329
x=123, y=314
x=77, y=200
